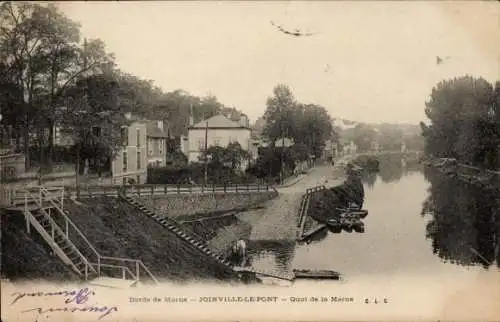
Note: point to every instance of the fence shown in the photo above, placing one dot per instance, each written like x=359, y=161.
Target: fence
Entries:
x=11, y=197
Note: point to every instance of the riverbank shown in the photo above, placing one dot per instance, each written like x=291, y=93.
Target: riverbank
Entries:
x=483, y=178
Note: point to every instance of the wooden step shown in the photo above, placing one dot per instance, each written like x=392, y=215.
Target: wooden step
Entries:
x=316, y=274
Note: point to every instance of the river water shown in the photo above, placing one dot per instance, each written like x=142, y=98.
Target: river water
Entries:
x=459, y=231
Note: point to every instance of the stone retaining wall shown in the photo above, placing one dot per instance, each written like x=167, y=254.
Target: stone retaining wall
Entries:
x=190, y=204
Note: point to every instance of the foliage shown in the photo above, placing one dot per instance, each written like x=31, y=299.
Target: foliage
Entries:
x=307, y=124
x=369, y=163
x=43, y=62
x=195, y=173
x=464, y=121
x=390, y=138
x=92, y=117
x=230, y=156
x=464, y=221
x=42, y=56
x=364, y=136
x=269, y=163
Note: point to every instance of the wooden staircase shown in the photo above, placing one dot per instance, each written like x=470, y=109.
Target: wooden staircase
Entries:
x=200, y=245
x=177, y=229
x=43, y=210
x=77, y=260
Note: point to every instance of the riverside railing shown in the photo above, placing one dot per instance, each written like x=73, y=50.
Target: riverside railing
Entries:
x=15, y=197
x=156, y=189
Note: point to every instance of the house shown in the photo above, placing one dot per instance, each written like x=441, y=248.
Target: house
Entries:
x=219, y=131
x=156, y=143
x=350, y=149
x=375, y=146
x=330, y=150
x=130, y=164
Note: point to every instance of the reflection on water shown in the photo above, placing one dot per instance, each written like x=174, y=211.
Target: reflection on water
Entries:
x=461, y=226
x=392, y=168
x=271, y=255
x=464, y=221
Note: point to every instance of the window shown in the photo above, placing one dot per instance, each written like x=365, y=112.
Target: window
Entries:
x=217, y=141
x=96, y=131
x=201, y=144
x=161, y=143
x=138, y=160
x=138, y=137
x=150, y=147
x=125, y=161
x=124, y=136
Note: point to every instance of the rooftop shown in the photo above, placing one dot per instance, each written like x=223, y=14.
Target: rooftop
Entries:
x=218, y=121
x=154, y=131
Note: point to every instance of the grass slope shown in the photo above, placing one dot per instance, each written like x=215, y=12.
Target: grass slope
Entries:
x=117, y=229
x=27, y=256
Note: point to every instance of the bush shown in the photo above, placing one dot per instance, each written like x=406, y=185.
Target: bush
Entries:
x=367, y=162
x=195, y=173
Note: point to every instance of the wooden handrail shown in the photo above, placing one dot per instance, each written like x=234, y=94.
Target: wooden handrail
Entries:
x=99, y=257
x=56, y=227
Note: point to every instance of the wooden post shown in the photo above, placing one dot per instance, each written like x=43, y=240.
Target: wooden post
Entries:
x=98, y=265
x=137, y=271
x=26, y=213
x=62, y=198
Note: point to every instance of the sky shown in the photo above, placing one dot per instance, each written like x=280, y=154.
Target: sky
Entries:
x=366, y=61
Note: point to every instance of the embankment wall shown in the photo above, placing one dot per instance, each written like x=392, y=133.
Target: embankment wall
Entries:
x=191, y=204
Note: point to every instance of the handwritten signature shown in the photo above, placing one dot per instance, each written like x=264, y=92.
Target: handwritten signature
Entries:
x=77, y=297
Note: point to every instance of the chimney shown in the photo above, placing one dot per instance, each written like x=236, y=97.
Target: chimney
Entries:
x=244, y=120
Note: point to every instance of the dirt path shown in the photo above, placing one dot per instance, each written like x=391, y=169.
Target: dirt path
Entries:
x=278, y=221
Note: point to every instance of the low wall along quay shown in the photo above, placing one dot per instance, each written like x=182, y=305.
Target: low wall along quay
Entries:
x=181, y=205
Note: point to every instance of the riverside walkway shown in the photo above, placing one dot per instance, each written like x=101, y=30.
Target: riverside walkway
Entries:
x=278, y=219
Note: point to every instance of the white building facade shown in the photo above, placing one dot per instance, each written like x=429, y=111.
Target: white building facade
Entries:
x=219, y=131
x=131, y=163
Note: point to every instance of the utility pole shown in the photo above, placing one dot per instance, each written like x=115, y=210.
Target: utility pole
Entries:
x=78, y=146
x=206, y=155
x=282, y=154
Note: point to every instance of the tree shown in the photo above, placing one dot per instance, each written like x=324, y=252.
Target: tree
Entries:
x=21, y=51
x=464, y=121
x=364, y=136
x=390, y=137
x=93, y=118
x=279, y=113
x=40, y=46
x=314, y=127
x=234, y=155
x=308, y=124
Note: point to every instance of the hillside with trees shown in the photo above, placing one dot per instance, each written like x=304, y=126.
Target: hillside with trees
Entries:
x=50, y=76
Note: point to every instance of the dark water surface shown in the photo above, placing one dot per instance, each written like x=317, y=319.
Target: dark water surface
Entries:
x=419, y=223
